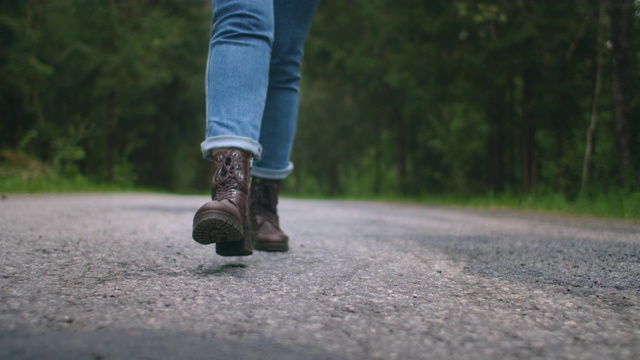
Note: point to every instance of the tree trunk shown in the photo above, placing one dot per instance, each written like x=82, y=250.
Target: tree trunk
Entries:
x=620, y=15
x=112, y=136
x=401, y=153
x=496, y=145
x=377, y=157
x=529, y=161
x=596, y=99
x=38, y=107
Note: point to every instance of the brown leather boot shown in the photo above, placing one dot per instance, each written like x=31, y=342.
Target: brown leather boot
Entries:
x=263, y=202
x=225, y=219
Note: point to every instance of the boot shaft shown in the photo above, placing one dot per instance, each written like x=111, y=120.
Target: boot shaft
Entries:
x=231, y=174
x=263, y=205
x=264, y=195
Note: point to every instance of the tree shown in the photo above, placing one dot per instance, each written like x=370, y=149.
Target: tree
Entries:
x=596, y=99
x=621, y=12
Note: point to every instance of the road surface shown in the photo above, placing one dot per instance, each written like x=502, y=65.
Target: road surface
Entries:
x=118, y=276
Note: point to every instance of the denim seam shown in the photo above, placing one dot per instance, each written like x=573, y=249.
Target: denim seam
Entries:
x=272, y=174
x=230, y=141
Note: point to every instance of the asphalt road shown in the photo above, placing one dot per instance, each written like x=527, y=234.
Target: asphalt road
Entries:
x=118, y=276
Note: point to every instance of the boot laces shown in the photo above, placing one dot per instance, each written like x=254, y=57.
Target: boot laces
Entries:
x=227, y=178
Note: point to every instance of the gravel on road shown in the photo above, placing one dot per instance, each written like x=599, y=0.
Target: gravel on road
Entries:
x=109, y=276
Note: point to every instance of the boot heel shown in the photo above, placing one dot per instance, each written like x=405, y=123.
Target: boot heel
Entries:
x=238, y=248
x=216, y=227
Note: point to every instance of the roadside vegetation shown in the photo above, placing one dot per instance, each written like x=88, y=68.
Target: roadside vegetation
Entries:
x=23, y=174
x=604, y=205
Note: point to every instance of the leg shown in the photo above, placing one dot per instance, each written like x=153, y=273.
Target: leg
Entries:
x=236, y=84
x=237, y=74
x=292, y=22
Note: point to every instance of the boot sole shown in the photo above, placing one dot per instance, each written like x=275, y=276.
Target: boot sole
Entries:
x=217, y=227
x=271, y=247
x=238, y=248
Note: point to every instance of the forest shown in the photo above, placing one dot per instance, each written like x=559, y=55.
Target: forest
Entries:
x=408, y=99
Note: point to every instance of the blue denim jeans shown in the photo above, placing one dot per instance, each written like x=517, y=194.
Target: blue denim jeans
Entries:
x=252, y=79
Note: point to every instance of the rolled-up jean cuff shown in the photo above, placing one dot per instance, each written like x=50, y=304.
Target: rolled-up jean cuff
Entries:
x=230, y=141
x=271, y=174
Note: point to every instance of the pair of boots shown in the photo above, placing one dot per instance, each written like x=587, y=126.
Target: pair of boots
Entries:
x=238, y=218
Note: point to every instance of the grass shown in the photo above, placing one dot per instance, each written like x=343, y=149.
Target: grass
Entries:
x=611, y=205
x=48, y=185
x=33, y=177
x=608, y=205
x=21, y=173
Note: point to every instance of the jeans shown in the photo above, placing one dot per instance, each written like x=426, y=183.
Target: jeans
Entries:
x=252, y=79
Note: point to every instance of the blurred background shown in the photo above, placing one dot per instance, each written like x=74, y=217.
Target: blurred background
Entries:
x=400, y=99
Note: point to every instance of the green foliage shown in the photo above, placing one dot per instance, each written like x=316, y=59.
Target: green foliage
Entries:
x=113, y=90
x=465, y=98
x=400, y=99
